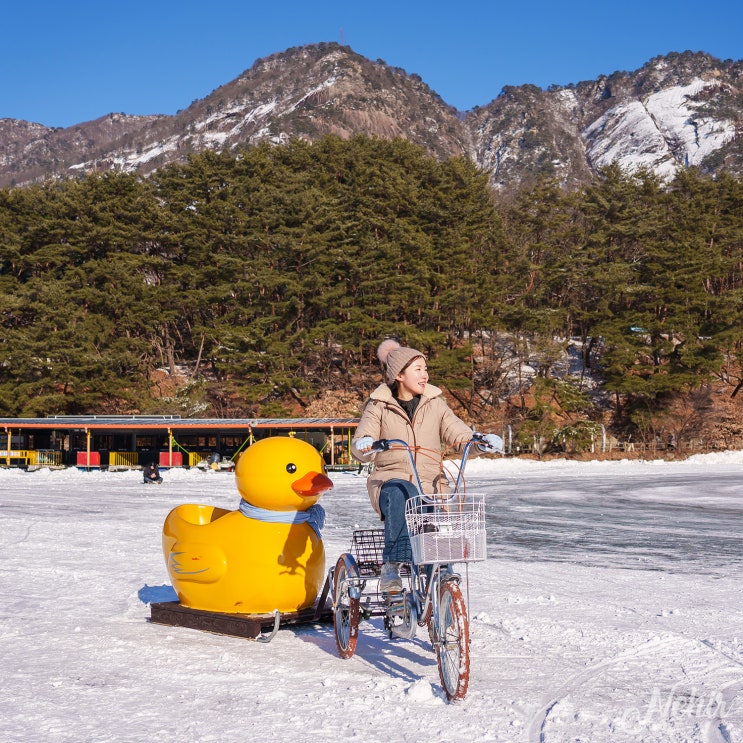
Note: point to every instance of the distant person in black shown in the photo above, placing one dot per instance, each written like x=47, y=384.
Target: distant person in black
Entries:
x=152, y=474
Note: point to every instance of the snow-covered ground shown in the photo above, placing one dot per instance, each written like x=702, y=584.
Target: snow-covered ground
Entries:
x=609, y=610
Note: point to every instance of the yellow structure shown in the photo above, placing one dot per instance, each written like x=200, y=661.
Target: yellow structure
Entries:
x=267, y=555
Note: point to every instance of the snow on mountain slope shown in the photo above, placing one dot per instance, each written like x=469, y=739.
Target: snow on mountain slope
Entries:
x=661, y=133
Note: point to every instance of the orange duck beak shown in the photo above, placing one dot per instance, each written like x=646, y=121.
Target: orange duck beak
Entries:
x=313, y=483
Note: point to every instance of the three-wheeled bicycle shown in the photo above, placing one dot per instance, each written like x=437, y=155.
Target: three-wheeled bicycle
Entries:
x=444, y=529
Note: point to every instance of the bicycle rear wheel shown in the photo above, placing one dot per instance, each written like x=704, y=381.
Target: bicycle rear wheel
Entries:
x=345, y=611
x=453, y=641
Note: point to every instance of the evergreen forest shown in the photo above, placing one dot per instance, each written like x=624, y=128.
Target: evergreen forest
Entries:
x=259, y=283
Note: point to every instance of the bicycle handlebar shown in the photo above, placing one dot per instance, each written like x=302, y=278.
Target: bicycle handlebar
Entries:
x=385, y=444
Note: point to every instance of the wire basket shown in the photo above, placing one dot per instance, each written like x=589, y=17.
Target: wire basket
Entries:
x=366, y=547
x=447, y=532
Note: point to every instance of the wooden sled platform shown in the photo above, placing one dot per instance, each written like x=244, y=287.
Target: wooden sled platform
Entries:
x=250, y=626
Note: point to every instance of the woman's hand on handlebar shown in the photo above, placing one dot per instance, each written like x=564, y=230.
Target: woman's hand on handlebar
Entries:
x=489, y=443
x=364, y=444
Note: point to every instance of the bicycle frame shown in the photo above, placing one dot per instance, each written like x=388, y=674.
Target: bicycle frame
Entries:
x=438, y=602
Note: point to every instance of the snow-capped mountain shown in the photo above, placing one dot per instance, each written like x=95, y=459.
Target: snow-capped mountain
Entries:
x=676, y=111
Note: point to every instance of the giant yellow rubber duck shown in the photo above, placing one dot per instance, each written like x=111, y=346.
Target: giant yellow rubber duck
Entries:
x=268, y=554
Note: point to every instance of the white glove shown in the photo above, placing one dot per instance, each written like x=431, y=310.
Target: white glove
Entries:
x=364, y=444
x=491, y=443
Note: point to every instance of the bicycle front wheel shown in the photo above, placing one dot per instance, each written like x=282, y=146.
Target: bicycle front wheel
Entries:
x=345, y=612
x=453, y=641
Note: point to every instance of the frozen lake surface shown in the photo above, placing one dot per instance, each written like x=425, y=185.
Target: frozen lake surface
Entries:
x=676, y=521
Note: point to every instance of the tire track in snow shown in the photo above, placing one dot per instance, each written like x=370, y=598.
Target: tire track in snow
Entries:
x=715, y=730
x=537, y=722
x=722, y=700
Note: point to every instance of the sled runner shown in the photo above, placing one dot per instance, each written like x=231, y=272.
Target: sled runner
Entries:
x=259, y=627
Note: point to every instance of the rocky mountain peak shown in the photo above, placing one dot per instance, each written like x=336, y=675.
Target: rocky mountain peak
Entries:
x=678, y=110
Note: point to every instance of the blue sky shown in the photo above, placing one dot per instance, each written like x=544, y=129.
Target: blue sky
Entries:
x=62, y=63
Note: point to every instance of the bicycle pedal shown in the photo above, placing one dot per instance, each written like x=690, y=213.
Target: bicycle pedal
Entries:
x=396, y=609
x=392, y=592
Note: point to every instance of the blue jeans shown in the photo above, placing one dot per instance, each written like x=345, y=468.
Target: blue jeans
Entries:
x=392, y=499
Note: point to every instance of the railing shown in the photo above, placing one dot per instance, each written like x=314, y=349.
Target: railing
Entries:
x=194, y=457
x=123, y=459
x=48, y=457
x=17, y=457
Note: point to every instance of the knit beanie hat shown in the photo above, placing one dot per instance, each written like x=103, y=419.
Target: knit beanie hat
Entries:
x=395, y=357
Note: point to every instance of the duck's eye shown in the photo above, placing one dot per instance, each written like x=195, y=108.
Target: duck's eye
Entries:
x=291, y=468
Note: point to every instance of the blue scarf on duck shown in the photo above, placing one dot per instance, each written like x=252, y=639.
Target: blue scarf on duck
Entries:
x=314, y=516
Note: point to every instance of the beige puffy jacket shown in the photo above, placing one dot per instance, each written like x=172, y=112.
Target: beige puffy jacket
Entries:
x=434, y=423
